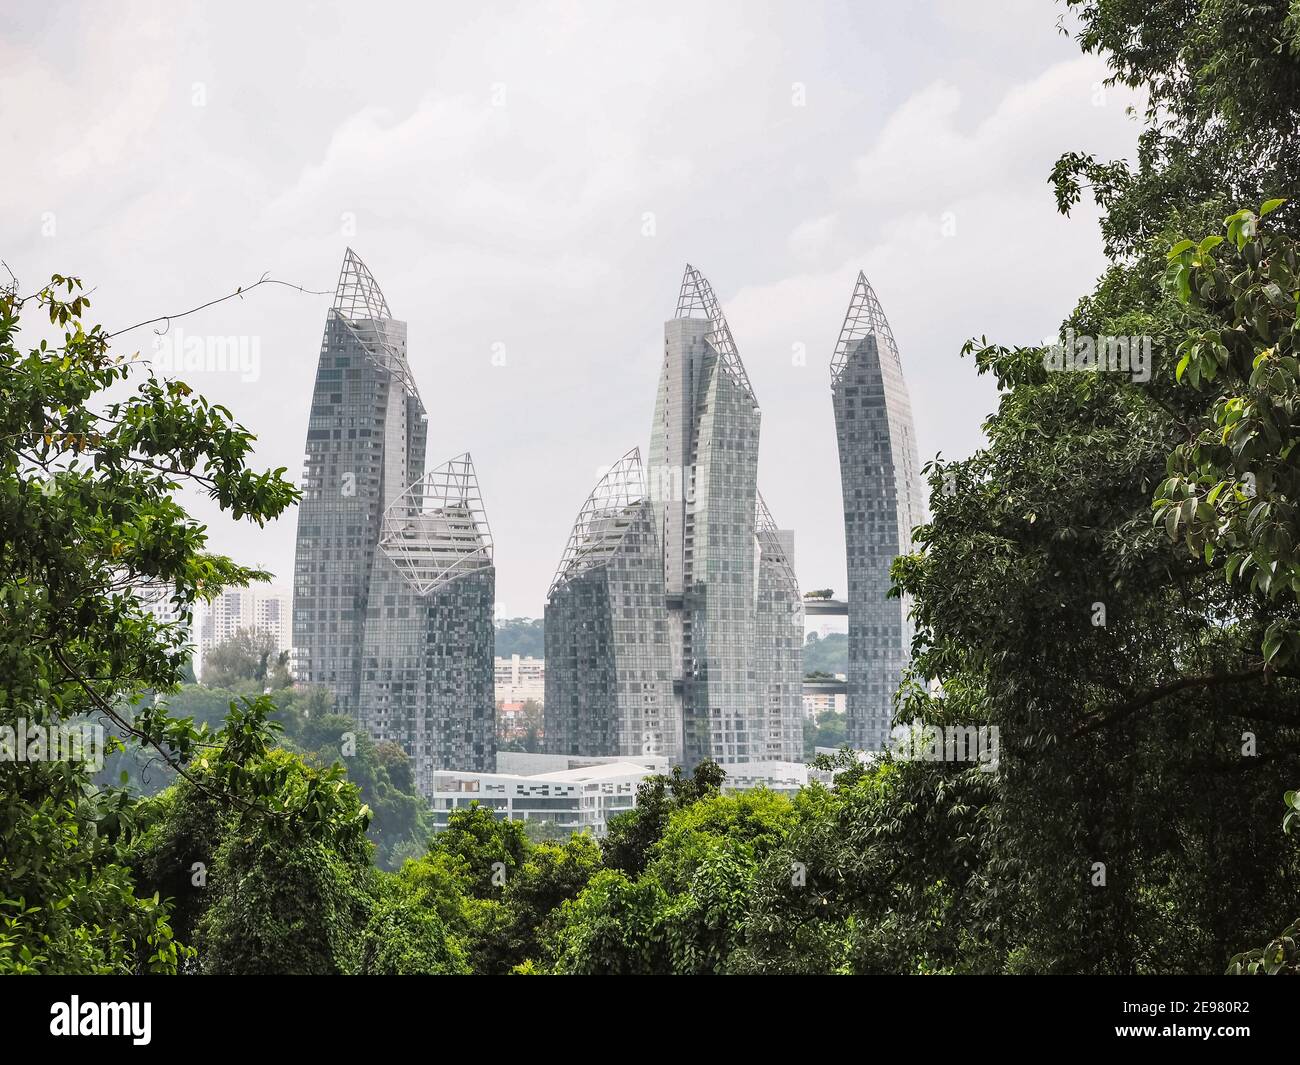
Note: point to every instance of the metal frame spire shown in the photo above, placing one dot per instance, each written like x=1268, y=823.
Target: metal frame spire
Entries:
x=769, y=542
x=357, y=294
x=603, y=519
x=865, y=318
x=359, y=301
x=697, y=295
x=437, y=529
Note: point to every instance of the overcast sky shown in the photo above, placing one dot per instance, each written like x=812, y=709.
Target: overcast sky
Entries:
x=526, y=182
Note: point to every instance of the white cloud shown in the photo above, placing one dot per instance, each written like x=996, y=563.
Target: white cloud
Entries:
x=523, y=224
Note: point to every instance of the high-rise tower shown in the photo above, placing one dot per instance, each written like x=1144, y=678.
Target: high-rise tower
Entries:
x=427, y=657
x=880, y=478
x=608, y=685
x=365, y=444
x=393, y=580
x=778, y=644
x=703, y=487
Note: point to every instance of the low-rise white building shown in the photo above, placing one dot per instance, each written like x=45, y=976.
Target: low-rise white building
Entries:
x=817, y=703
x=785, y=777
x=573, y=794
x=579, y=794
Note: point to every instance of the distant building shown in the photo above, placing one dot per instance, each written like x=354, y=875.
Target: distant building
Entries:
x=426, y=663
x=573, y=794
x=881, y=482
x=778, y=641
x=520, y=679
x=260, y=608
x=817, y=703
x=775, y=775
x=394, y=583
x=578, y=794
x=157, y=601
x=729, y=591
x=365, y=446
x=609, y=681
x=512, y=721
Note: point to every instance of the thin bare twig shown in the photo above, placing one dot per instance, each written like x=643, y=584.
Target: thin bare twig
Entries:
x=263, y=280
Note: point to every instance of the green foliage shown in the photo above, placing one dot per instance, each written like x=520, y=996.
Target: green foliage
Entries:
x=1233, y=491
x=827, y=654
x=489, y=850
x=400, y=818
x=630, y=835
x=521, y=636
x=612, y=929
x=1221, y=128
x=688, y=911
x=287, y=896
x=829, y=730
x=249, y=661
x=526, y=916
x=1280, y=956
x=1131, y=825
x=405, y=939
x=87, y=509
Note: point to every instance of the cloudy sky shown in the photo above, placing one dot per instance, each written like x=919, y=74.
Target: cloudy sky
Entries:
x=527, y=181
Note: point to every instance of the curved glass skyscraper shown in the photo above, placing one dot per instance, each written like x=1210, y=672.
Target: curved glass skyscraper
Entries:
x=366, y=439
x=703, y=488
x=880, y=479
x=778, y=644
x=608, y=685
x=427, y=655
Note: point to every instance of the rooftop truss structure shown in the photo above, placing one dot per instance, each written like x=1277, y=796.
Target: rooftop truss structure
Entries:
x=697, y=295
x=357, y=294
x=360, y=305
x=603, y=519
x=865, y=318
x=769, y=542
x=437, y=529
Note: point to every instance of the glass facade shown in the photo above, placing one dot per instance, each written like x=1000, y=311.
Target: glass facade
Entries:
x=778, y=650
x=703, y=487
x=365, y=448
x=428, y=675
x=883, y=503
x=608, y=683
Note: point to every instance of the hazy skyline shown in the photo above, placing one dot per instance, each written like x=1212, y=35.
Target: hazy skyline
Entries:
x=526, y=183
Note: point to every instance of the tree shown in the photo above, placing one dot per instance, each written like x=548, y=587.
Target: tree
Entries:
x=629, y=836
x=528, y=918
x=1221, y=128
x=400, y=821
x=250, y=660
x=88, y=516
x=687, y=912
x=829, y=730
x=291, y=900
x=521, y=636
x=827, y=654
x=403, y=939
x=1144, y=736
